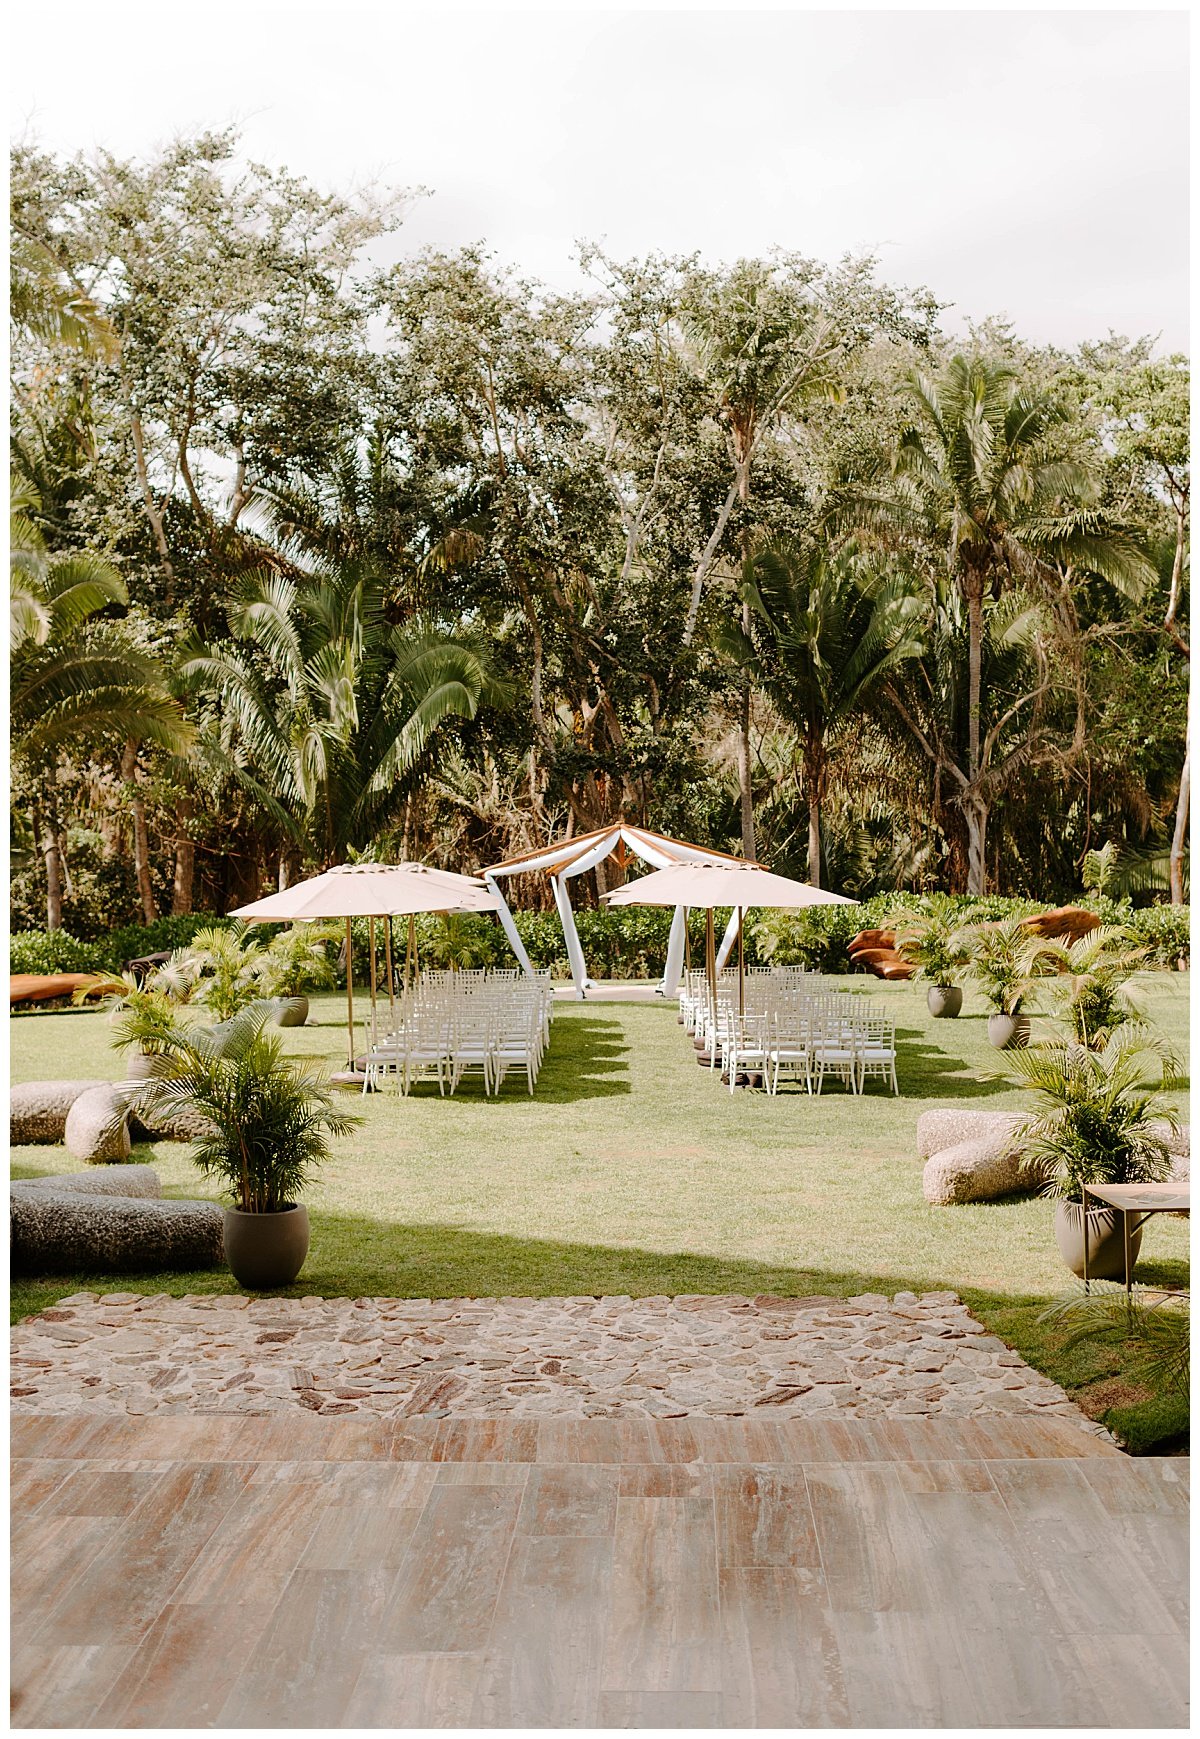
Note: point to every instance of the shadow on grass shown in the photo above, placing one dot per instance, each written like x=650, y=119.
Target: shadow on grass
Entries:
x=362, y=1257
x=586, y=1060
x=928, y=1070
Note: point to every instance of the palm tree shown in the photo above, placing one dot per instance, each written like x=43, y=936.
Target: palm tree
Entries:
x=1020, y=682
x=74, y=678
x=822, y=633
x=328, y=705
x=978, y=472
x=762, y=347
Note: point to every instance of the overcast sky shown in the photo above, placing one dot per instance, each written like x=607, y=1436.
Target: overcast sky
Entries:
x=1018, y=163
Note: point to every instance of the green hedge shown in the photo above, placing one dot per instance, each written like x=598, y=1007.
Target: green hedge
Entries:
x=44, y=951
x=630, y=942
x=47, y=951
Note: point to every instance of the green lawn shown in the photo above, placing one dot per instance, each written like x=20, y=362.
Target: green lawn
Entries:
x=633, y=1171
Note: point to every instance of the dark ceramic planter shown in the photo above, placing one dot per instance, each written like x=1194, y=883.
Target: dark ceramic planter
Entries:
x=1008, y=1031
x=944, y=1001
x=266, y=1250
x=1105, y=1241
x=291, y=1010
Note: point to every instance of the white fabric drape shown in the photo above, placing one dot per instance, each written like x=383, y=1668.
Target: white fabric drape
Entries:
x=659, y=853
x=566, y=916
x=510, y=929
x=673, y=970
x=729, y=938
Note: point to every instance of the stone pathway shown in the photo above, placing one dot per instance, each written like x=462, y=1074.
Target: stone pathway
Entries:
x=659, y=1358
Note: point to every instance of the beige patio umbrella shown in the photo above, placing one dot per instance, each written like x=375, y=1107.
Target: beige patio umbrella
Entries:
x=372, y=890
x=722, y=882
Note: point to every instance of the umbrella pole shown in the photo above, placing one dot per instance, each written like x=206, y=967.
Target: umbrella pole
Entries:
x=387, y=955
x=710, y=961
x=374, y=1010
x=741, y=964
x=350, y=992
x=412, y=942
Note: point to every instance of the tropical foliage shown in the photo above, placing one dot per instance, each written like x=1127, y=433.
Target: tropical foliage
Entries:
x=314, y=556
x=268, y=1117
x=1099, y=1120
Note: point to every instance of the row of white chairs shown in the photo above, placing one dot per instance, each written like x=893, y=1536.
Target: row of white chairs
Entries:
x=452, y=1025
x=792, y=1025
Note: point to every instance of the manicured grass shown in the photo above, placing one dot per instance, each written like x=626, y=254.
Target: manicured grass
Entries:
x=634, y=1171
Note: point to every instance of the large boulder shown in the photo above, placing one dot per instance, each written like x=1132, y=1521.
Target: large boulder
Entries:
x=1179, y=1145
x=974, y=1171
x=174, y=1123
x=99, y=1180
x=97, y=1127
x=947, y=1127
x=38, y=1109
x=64, y=1232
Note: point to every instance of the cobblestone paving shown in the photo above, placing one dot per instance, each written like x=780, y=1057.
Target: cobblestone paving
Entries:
x=661, y=1358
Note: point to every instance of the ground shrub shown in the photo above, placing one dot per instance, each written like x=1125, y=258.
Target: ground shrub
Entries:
x=47, y=951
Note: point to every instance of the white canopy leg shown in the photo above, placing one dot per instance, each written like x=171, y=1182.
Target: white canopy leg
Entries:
x=509, y=927
x=571, y=938
x=728, y=939
x=675, y=944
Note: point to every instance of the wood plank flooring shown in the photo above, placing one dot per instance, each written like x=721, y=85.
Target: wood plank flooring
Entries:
x=229, y=1572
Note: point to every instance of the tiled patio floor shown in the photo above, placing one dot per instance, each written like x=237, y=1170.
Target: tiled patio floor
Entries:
x=294, y=1570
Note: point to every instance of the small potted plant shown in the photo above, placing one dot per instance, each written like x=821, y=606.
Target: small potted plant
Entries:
x=1003, y=967
x=1091, y=983
x=1100, y=1124
x=933, y=942
x=267, y=1123
x=143, y=1016
x=224, y=967
x=145, y=1023
x=296, y=962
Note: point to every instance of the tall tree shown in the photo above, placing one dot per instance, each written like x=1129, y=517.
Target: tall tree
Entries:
x=76, y=678
x=824, y=633
x=980, y=476
x=328, y=705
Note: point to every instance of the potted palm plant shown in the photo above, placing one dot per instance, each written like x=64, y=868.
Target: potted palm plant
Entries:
x=1100, y=1123
x=145, y=1024
x=933, y=942
x=296, y=962
x=144, y=1016
x=267, y=1123
x=1091, y=983
x=224, y=969
x=1003, y=967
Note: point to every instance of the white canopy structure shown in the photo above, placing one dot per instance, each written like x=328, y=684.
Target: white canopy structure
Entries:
x=574, y=857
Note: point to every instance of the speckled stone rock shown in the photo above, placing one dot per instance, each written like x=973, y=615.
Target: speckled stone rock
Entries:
x=937, y=1130
x=94, y=1132
x=38, y=1109
x=974, y=1171
x=64, y=1232
x=99, y=1180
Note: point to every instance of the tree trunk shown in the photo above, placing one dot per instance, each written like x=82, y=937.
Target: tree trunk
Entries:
x=289, y=866
x=814, y=796
x=1179, y=839
x=745, y=789
x=52, y=853
x=974, y=590
x=182, y=893
x=141, y=833
x=975, y=813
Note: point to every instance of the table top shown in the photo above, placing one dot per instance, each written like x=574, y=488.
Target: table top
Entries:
x=1147, y=1197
